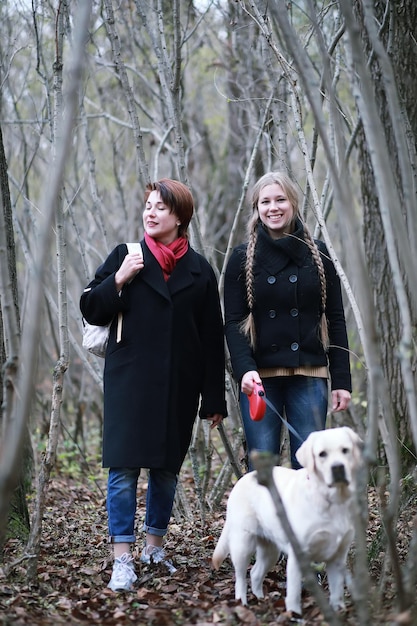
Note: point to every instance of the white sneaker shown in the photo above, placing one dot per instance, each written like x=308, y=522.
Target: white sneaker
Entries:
x=154, y=554
x=123, y=575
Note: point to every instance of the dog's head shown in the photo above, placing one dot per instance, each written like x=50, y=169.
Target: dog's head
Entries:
x=333, y=454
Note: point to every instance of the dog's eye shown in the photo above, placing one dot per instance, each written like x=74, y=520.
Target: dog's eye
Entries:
x=323, y=454
x=345, y=450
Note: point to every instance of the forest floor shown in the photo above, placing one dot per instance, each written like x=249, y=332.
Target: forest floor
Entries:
x=75, y=566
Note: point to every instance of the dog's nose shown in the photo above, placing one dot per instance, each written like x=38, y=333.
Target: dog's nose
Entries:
x=339, y=473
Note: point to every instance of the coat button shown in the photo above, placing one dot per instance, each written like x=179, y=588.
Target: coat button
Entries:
x=294, y=346
x=293, y=278
x=272, y=314
x=294, y=312
x=271, y=280
x=274, y=347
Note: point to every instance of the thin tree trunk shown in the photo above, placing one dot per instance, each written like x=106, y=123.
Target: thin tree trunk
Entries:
x=61, y=147
x=14, y=485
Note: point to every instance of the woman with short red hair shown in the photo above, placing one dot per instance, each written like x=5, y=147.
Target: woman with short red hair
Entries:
x=165, y=366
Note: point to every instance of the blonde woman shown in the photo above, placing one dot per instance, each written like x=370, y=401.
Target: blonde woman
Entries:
x=284, y=320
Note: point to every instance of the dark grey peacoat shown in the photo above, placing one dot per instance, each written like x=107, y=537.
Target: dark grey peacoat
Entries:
x=169, y=364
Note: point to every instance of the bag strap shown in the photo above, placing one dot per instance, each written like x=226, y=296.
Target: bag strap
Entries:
x=135, y=248
x=132, y=248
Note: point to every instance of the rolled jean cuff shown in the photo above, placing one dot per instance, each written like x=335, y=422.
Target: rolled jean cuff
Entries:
x=122, y=539
x=159, y=532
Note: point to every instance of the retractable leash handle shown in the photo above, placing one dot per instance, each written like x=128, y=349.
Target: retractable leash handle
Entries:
x=257, y=406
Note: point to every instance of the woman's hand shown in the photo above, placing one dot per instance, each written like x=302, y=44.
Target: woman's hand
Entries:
x=132, y=264
x=340, y=399
x=215, y=419
x=249, y=380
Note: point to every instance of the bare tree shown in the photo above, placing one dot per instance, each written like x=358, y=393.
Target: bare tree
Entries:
x=390, y=227
x=388, y=182
x=14, y=483
x=21, y=400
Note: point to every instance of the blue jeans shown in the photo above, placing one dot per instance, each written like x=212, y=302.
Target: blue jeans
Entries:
x=121, y=502
x=304, y=400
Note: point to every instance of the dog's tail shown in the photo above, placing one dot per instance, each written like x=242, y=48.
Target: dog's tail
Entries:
x=221, y=550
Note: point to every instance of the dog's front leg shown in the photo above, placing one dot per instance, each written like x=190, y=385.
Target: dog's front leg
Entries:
x=293, y=597
x=336, y=577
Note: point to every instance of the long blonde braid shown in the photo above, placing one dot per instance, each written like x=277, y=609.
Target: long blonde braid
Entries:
x=324, y=328
x=247, y=325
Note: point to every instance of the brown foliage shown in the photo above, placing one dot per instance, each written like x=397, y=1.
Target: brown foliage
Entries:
x=75, y=567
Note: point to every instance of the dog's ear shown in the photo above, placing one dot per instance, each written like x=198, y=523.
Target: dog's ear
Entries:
x=357, y=445
x=304, y=454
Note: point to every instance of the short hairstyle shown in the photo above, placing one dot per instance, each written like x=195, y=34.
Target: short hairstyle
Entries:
x=177, y=197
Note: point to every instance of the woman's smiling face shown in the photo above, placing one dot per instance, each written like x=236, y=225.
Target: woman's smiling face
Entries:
x=275, y=210
x=158, y=220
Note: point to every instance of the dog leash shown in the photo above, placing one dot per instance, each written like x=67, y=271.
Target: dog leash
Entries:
x=257, y=402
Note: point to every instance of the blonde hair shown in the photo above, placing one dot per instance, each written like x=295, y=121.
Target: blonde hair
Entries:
x=291, y=191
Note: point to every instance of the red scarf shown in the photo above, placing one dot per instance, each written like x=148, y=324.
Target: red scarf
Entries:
x=167, y=256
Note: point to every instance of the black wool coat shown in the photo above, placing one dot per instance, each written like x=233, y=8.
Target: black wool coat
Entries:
x=287, y=309
x=169, y=364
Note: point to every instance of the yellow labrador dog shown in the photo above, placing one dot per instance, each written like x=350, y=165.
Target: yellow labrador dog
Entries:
x=319, y=505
